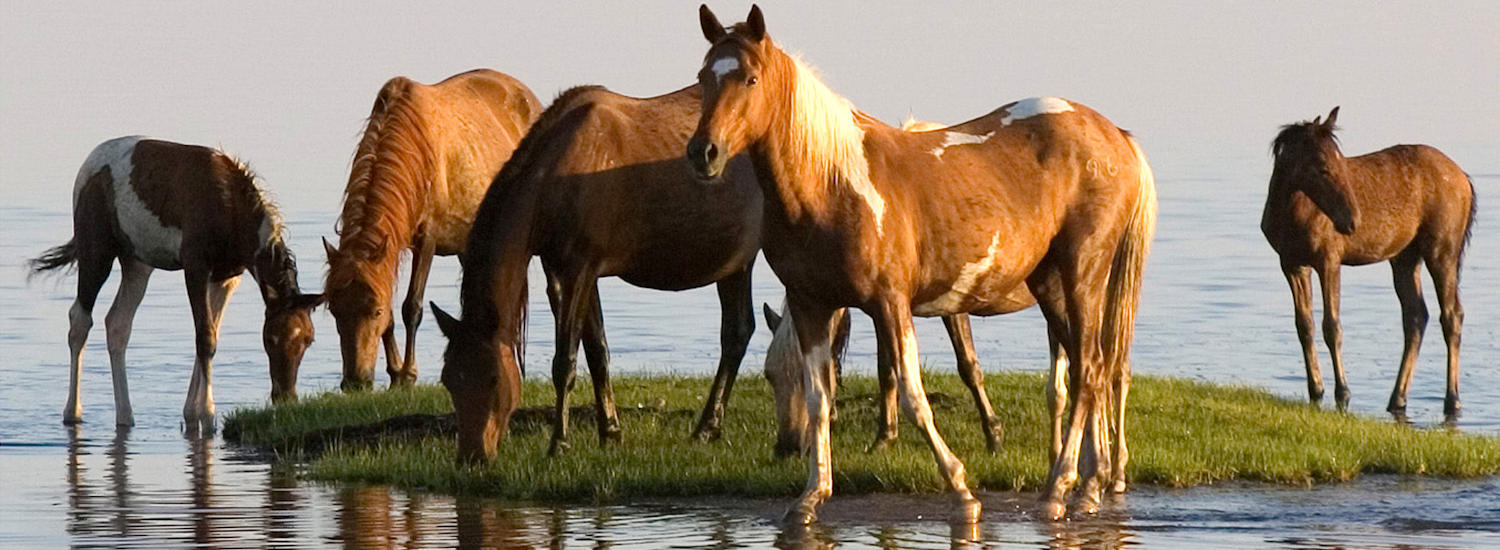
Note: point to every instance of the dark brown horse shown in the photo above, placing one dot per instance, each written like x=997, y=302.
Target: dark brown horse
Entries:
x=159, y=205
x=597, y=188
x=1044, y=192
x=1409, y=204
x=427, y=155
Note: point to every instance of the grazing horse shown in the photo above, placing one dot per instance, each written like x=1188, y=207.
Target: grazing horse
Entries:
x=1408, y=204
x=159, y=205
x=426, y=158
x=1044, y=192
x=597, y=188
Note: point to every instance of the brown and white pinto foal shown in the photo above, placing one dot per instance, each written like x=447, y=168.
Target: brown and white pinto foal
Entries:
x=159, y=205
x=427, y=155
x=1044, y=192
x=1409, y=204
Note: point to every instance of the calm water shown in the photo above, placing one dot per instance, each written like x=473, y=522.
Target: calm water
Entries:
x=1216, y=308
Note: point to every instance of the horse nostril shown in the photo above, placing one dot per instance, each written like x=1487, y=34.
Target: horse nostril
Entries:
x=710, y=153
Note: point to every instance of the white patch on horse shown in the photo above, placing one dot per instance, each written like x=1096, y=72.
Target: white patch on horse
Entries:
x=151, y=241
x=265, y=232
x=830, y=141
x=723, y=66
x=949, y=302
x=1033, y=106
x=951, y=139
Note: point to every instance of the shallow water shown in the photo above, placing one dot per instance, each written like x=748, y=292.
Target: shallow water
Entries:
x=1216, y=308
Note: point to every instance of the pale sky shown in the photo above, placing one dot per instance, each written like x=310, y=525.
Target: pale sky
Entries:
x=285, y=85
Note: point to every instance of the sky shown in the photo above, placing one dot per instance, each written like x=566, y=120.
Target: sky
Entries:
x=286, y=85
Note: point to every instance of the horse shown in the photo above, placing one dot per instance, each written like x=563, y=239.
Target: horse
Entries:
x=597, y=188
x=427, y=155
x=1409, y=204
x=153, y=204
x=1044, y=191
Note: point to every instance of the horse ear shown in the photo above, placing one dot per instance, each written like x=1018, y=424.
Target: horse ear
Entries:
x=756, y=23
x=329, y=249
x=773, y=320
x=445, y=322
x=1318, y=120
x=306, y=301
x=712, y=29
x=1332, y=117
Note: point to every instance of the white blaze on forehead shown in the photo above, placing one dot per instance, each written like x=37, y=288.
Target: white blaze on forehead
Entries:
x=958, y=138
x=1034, y=106
x=968, y=276
x=723, y=65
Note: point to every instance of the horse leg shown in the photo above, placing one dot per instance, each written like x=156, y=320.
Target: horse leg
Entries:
x=968, y=369
x=1408, y=281
x=736, y=325
x=392, y=353
x=1084, y=291
x=596, y=350
x=814, y=333
x=570, y=311
x=117, y=325
x=411, y=309
x=1300, y=279
x=886, y=428
x=1333, y=334
x=1444, y=270
x=1046, y=286
x=895, y=331
x=207, y=300
x=840, y=344
x=93, y=270
x=1121, y=452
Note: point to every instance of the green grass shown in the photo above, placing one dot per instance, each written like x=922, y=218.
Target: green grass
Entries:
x=1181, y=433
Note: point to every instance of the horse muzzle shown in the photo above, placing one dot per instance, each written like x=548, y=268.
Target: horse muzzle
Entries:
x=705, y=158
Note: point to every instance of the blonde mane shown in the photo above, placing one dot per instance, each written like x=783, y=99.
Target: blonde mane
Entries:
x=387, y=186
x=826, y=139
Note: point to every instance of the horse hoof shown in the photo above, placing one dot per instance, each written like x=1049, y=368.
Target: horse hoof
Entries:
x=1118, y=487
x=801, y=514
x=72, y=418
x=992, y=443
x=610, y=437
x=967, y=509
x=705, y=435
x=880, y=444
x=557, y=447
x=125, y=421
x=1055, y=510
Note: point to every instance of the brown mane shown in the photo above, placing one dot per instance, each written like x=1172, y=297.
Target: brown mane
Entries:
x=1298, y=133
x=385, y=190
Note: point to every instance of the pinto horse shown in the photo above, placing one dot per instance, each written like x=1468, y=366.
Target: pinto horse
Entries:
x=159, y=205
x=1409, y=204
x=427, y=156
x=1044, y=192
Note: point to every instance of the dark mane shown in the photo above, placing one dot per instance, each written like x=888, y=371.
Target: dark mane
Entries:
x=1298, y=133
x=385, y=184
x=503, y=226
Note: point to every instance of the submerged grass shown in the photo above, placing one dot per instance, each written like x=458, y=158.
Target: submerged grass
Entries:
x=1181, y=433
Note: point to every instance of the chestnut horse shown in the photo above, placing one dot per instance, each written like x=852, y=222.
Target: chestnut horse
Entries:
x=426, y=158
x=1409, y=204
x=860, y=214
x=597, y=188
x=159, y=205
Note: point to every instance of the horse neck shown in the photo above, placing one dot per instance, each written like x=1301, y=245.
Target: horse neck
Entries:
x=493, y=293
x=811, y=149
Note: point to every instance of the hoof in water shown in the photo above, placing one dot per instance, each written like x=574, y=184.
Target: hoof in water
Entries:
x=801, y=514
x=967, y=509
x=1055, y=509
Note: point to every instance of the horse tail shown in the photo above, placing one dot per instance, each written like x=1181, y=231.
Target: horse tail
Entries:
x=1129, y=263
x=65, y=255
x=1468, y=224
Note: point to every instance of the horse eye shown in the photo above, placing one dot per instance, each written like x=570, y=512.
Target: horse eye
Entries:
x=751, y=81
